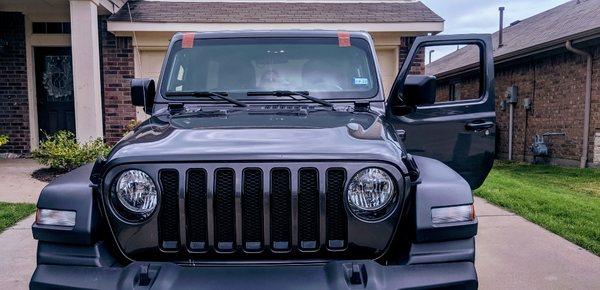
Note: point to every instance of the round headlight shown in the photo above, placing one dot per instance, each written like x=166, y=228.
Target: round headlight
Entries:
x=370, y=189
x=136, y=192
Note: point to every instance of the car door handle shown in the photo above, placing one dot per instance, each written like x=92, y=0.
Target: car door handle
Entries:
x=479, y=125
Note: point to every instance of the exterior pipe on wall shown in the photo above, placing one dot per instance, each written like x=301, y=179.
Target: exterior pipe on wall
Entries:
x=588, y=96
x=510, y=129
x=501, y=24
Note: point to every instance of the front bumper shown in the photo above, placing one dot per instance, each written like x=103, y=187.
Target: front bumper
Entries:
x=359, y=274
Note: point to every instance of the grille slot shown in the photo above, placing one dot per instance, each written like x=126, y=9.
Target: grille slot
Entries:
x=196, y=212
x=336, y=214
x=169, y=209
x=252, y=209
x=280, y=208
x=308, y=208
x=224, y=209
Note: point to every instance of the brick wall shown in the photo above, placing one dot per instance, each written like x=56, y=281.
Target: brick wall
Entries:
x=469, y=88
x=556, y=86
x=418, y=64
x=118, y=70
x=14, y=111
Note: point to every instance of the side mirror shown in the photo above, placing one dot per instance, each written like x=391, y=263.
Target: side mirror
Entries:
x=419, y=90
x=142, y=94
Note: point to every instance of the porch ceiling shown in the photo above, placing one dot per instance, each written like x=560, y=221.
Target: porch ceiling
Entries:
x=35, y=6
x=56, y=6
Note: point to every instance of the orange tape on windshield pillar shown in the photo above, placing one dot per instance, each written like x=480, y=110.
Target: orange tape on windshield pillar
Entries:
x=344, y=39
x=188, y=40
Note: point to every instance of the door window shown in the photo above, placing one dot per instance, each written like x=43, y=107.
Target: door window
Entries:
x=457, y=69
x=57, y=78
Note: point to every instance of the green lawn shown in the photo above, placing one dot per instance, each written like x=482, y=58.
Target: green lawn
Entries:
x=563, y=200
x=11, y=213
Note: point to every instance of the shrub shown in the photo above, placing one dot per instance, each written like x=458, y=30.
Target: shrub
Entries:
x=62, y=152
x=131, y=125
x=3, y=140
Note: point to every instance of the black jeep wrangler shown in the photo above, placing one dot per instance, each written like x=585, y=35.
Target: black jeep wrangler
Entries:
x=272, y=160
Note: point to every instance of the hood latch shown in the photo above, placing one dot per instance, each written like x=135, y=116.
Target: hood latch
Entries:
x=362, y=106
x=175, y=108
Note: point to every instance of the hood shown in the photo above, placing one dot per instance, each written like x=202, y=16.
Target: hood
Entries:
x=259, y=135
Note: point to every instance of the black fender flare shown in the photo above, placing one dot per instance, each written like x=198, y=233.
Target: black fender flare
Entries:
x=72, y=191
x=440, y=186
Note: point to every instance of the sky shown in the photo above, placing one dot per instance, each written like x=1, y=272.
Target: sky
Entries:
x=481, y=16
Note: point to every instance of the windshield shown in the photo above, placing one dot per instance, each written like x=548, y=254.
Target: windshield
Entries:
x=237, y=66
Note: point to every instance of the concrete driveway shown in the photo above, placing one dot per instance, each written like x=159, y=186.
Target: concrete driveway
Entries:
x=17, y=247
x=16, y=182
x=512, y=253
x=17, y=255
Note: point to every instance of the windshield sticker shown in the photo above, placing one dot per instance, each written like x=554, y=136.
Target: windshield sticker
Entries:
x=188, y=40
x=361, y=81
x=343, y=39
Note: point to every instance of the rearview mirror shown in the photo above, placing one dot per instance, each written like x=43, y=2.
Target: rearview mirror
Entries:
x=142, y=94
x=419, y=90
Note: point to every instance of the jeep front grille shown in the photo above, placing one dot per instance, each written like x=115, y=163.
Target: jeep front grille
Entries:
x=254, y=219
x=264, y=211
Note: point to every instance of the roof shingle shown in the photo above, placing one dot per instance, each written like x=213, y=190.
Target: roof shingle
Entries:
x=276, y=12
x=573, y=18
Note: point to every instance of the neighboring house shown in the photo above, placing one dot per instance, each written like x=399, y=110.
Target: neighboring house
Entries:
x=534, y=57
x=66, y=65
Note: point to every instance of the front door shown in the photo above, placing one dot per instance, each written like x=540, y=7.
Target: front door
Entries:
x=459, y=128
x=54, y=88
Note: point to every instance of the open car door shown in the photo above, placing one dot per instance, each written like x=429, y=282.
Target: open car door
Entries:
x=445, y=109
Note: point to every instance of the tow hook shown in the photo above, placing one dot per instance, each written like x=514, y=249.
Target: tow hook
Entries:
x=356, y=274
x=146, y=275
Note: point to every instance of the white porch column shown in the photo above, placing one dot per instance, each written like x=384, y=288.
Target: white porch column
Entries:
x=86, y=69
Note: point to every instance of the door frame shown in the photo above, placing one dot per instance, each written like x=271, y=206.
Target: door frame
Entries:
x=32, y=41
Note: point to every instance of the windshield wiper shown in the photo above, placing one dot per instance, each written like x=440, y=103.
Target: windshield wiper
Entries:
x=289, y=94
x=212, y=95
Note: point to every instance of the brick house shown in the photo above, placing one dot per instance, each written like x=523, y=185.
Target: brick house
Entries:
x=550, y=78
x=66, y=64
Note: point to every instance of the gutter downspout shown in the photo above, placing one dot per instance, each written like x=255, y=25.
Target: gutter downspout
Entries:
x=588, y=95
